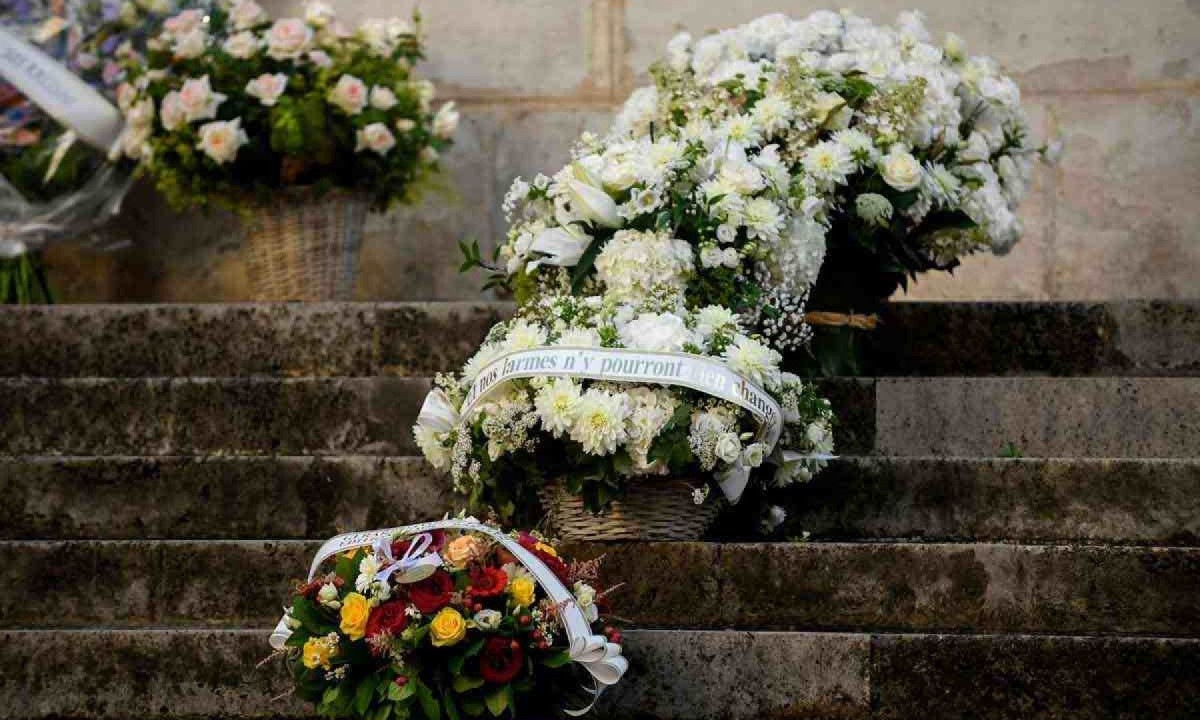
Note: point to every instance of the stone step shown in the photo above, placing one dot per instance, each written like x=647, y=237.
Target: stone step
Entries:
x=350, y=339
x=674, y=675
x=781, y=586
x=1128, y=502
x=960, y=417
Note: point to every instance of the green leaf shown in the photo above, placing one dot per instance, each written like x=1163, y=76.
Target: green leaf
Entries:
x=557, y=660
x=450, y=706
x=471, y=706
x=400, y=693
x=586, y=262
x=363, y=694
x=497, y=701
x=465, y=683
x=429, y=704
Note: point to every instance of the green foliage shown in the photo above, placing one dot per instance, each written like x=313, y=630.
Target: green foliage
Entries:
x=23, y=280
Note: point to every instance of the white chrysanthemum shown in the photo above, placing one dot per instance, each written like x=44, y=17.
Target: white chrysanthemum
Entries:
x=829, y=163
x=579, y=337
x=480, y=359
x=715, y=318
x=763, y=219
x=429, y=442
x=651, y=411
x=524, y=335
x=754, y=360
x=773, y=113
x=556, y=404
x=637, y=113
x=599, y=424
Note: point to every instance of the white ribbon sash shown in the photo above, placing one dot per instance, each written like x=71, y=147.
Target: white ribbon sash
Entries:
x=703, y=374
x=602, y=659
x=58, y=91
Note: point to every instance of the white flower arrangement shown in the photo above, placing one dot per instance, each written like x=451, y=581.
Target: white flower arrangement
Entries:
x=598, y=434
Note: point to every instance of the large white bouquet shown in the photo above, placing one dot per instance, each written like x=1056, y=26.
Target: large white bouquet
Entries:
x=596, y=434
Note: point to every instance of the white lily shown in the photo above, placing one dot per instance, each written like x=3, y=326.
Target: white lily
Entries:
x=592, y=203
x=560, y=246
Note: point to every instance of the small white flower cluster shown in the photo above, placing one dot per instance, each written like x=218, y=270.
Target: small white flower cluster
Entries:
x=532, y=426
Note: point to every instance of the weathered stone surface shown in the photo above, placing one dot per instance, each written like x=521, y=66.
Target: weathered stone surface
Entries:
x=1088, y=500
x=234, y=340
x=1141, y=338
x=1132, y=502
x=1108, y=45
x=676, y=675
x=1126, y=213
x=232, y=416
x=1050, y=678
x=220, y=498
x=1119, y=338
x=1042, y=417
x=813, y=586
x=853, y=402
x=526, y=47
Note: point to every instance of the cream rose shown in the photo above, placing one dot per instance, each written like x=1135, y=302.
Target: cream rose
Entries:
x=377, y=138
x=288, y=38
x=246, y=14
x=185, y=21
x=221, y=140
x=901, y=170
x=241, y=45
x=382, y=98
x=446, y=121
x=190, y=44
x=198, y=101
x=171, y=113
x=318, y=14
x=267, y=88
x=350, y=94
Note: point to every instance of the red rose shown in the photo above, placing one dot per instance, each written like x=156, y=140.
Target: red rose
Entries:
x=432, y=593
x=488, y=582
x=388, y=617
x=501, y=660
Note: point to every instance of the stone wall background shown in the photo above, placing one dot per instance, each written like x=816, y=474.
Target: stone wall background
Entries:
x=1118, y=218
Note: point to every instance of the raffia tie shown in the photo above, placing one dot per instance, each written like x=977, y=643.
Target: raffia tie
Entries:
x=832, y=319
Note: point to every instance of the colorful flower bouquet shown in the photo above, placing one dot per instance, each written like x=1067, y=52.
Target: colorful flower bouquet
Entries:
x=446, y=619
x=232, y=108
x=655, y=399
x=54, y=182
x=904, y=156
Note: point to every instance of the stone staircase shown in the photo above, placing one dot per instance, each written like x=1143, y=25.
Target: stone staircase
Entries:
x=167, y=470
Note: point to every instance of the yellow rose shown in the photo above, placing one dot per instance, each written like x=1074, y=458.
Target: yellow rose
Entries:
x=355, y=611
x=462, y=550
x=448, y=627
x=317, y=653
x=521, y=590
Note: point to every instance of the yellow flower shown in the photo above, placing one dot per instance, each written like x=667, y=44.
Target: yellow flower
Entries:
x=355, y=611
x=521, y=590
x=462, y=550
x=318, y=652
x=547, y=549
x=448, y=627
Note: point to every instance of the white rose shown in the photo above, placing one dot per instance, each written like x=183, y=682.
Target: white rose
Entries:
x=585, y=599
x=267, y=88
x=185, y=21
x=242, y=45
x=320, y=58
x=753, y=454
x=711, y=256
x=901, y=170
x=382, y=98
x=221, y=140
x=377, y=138
x=190, y=44
x=656, y=333
x=126, y=95
x=446, y=121
x=141, y=114
x=729, y=448
x=406, y=125
x=246, y=14
x=726, y=233
x=171, y=113
x=375, y=33
x=730, y=258
x=198, y=101
x=488, y=620
x=288, y=38
x=134, y=141
x=318, y=14
x=350, y=94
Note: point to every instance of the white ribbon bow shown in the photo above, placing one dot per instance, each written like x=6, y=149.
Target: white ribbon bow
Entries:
x=414, y=566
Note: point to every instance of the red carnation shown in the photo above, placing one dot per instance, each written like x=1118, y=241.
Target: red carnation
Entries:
x=488, y=582
x=501, y=660
x=388, y=617
x=432, y=593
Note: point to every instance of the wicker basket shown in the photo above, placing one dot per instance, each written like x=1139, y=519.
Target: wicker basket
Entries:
x=303, y=249
x=651, y=509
